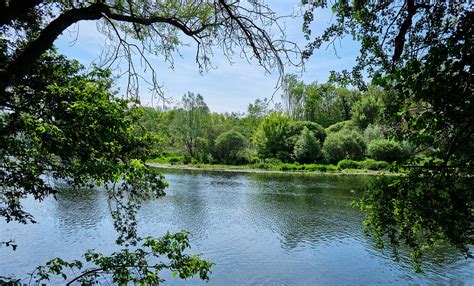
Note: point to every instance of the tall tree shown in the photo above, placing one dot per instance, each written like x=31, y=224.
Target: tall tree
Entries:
x=293, y=96
x=192, y=122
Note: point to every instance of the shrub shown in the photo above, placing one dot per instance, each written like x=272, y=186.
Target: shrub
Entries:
x=348, y=124
x=307, y=148
x=373, y=132
x=175, y=160
x=296, y=129
x=367, y=110
x=271, y=138
x=272, y=161
x=348, y=164
x=370, y=164
x=228, y=145
x=290, y=167
x=344, y=144
x=318, y=167
x=386, y=149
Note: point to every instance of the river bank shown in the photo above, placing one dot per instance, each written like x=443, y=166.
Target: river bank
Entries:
x=329, y=170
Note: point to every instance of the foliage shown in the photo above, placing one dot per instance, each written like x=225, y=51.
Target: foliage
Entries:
x=373, y=132
x=168, y=159
x=348, y=164
x=336, y=127
x=135, y=30
x=63, y=124
x=191, y=123
x=307, y=149
x=371, y=164
x=324, y=104
x=293, y=96
x=140, y=266
x=295, y=129
x=228, y=145
x=368, y=164
x=294, y=167
x=269, y=138
x=367, y=110
x=344, y=144
x=420, y=53
x=387, y=150
x=443, y=216
x=257, y=110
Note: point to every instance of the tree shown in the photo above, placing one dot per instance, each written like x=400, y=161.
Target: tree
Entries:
x=271, y=136
x=324, y=104
x=307, y=149
x=344, y=144
x=293, y=96
x=192, y=122
x=257, y=110
x=367, y=110
x=62, y=123
x=421, y=54
x=228, y=145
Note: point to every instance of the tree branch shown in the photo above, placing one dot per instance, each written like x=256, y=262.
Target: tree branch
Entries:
x=400, y=39
x=23, y=61
x=10, y=10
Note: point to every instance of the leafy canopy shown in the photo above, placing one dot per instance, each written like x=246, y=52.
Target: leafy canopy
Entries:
x=421, y=54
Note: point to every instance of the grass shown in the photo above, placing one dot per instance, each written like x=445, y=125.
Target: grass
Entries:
x=345, y=167
x=368, y=166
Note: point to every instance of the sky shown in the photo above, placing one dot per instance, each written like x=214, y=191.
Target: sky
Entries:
x=231, y=86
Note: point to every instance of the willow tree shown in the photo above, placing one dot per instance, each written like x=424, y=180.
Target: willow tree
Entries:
x=59, y=121
x=421, y=52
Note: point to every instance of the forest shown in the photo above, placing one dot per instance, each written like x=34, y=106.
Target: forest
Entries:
x=315, y=126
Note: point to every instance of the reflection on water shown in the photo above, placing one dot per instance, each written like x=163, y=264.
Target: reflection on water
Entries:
x=259, y=229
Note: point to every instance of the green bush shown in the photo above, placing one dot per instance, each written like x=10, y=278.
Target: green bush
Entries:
x=290, y=167
x=348, y=164
x=175, y=160
x=295, y=128
x=387, y=150
x=272, y=161
x=348, y=124
x=271, y=138
x=307, y=149
x=228, y=145
x=345, y=144
x=373, y=132
x=277, y=135
x=318, y=167
x=370, y=164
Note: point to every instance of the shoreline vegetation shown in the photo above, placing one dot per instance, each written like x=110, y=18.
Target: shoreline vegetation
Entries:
x=307, y=169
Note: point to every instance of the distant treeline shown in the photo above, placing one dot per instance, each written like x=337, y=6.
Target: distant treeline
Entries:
x=316, y=123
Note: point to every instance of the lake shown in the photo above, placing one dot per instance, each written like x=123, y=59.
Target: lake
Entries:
x=258, y=229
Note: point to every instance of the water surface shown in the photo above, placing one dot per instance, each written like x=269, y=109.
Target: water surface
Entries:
x=258, y=229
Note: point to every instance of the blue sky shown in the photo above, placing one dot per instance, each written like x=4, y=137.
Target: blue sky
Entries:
x=230, y=87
